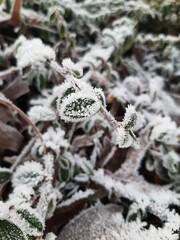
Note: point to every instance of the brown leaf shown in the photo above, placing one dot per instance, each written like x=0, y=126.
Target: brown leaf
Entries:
x=16, y=89
x=63, y=214
x=10, y=138
x=85, y=140
x=15, y=13
x=6, y=114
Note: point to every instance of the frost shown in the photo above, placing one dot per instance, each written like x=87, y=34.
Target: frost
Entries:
x=22, y=194
x=50, y=236
x=54, y=139
x=145, y=195
x=106, y=222
x=4, y=214
x=31, y=173
x=122, y=138
x=164, y=129
x=77, y=100
x=41, y=113
x=77, y=196
x=72, y=68
x=34, y=53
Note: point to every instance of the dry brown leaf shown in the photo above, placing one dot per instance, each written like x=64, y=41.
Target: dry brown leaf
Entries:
x=6, y=115
x=63, y=214
x=15, y=13
x=10, y=138
x=16, y=89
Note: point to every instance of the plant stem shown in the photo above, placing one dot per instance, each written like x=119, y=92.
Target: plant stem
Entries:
x=108, y=116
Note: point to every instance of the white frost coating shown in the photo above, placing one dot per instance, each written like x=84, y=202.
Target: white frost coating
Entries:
x=23, y=224
x=107, y=223
x=78, y=91
x=13, y=48
x=53, y=138
x=72, y=68
x=77, y=196
x=50, y=236
x=135, y=191
x=164, y=129
x=47, y=192
x=31, y=173
x=122, y=138
x=41, y=113
x=83, y=112
x=4, y=212
x=34, y=53
x=22, y=194
x=131, y=118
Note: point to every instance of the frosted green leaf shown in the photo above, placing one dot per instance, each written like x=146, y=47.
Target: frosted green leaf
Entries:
x=78, y=107
x=131, y=118
x=31, y=173
x=99, y=93
x=9, y=231
x=5, y=175
x=32, y=220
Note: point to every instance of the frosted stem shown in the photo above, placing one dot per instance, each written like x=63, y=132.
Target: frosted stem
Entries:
x=47, y=187
x=108, y=116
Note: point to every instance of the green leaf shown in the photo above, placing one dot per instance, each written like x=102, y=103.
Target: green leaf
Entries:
x=9, y=231
x=78, y=108
x=53, y=17
x=62, y=29
x=5, y=175
x=1, y=1
x=68, y=92
x=32, y=220
x=64, y=169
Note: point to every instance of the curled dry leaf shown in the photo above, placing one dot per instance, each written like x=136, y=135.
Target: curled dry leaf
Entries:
x=16, y=89
x=10, y=138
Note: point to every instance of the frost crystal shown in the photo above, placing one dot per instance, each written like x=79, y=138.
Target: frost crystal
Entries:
x=50, y=236
x=122, y=138
x=34, y=53
x=131, y=119
x=31, y=173
x=41, y=113
x=77, y=100
x=107, y=223
x=54, y=140
x=72, y=68
x=4, y=213
x=22, y=194
x=77, y=196
x=164, y=129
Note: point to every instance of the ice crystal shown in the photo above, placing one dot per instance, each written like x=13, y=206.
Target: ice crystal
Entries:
x=131, y=119
x=164, y=129
x=31, y=173
x=137, y=191
x=22, y=194
x=77, y=100
x=41, y=113
x=34, y=53
x=4, y=214
x=72, y=68
x=106, y=222
x=77, y=196
x=50, y=236
x=123, y=138
x=54, y=139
